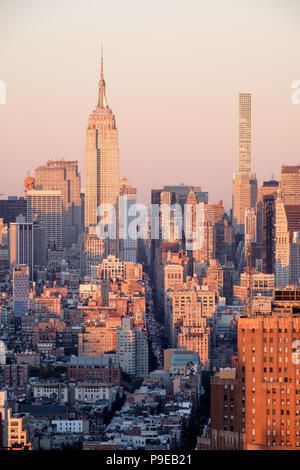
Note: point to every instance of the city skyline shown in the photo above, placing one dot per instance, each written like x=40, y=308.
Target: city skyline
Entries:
x=171, y=88
x=150, y=274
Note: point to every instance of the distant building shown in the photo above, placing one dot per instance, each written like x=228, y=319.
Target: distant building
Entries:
x=244, y=185
x=27, y=243
x=46, y=205
x=20, y=289
x=268, y=233
x=101, y=159
x=12, y=207
x=15, y=377
x=244, y=193
x=114, y=269
x=287, y=229
x=51, y=389
x=182, y=362
x=3, y=418
x=18, y=431
x=270, y=189
x=30, y=358
x=259, y=284
x=63, y=175
x=245, y=132
x=250, y=226
x=102, y=368
x=181, y=192
x=132, y=348
x=92, y=251
x=290, y=184
x=224, y=412
x=21, y=240
x=65, y=426
x=127, y=214
x=97, y=340
x=194, y=333
x=92, y=391
x=268, y=375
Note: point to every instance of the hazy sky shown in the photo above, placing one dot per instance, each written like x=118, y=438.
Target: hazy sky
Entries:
x=173, y=71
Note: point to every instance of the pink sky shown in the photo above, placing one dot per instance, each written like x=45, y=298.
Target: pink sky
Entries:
x=173, y=71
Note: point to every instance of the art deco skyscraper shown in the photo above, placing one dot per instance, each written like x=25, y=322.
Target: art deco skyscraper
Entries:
x=101, y=158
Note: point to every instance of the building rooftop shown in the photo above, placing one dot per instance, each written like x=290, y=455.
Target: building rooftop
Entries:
x=42, y=409
x=89, y=361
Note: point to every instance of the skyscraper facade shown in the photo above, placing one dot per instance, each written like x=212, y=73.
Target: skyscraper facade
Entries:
x=268, y=233
x=21, y=243
x=245, y=132
x=250, y=227
x=244, y=185
x=63, y=176
x=20, y=289
x=287, y=229
x=268, y=188
x=11, y=207
x=244, y=193
x=290, y=184
x=224, y=406
x=101, y=158
x=47, y=207
x=269, y=374
x=127, y=213
x=132, y=348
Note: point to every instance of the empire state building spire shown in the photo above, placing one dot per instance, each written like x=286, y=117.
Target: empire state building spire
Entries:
x=102, y=102
x=101, y=158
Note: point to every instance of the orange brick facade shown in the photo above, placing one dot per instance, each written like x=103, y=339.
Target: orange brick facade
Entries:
x=269, y=380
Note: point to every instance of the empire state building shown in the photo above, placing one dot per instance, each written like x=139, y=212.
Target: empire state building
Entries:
x=101, y=158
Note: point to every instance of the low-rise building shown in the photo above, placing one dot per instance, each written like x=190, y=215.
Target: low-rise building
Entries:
x=18, y=431
x=76, y=426
x=52, y=389
x=92, y=391
x=102, y=368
